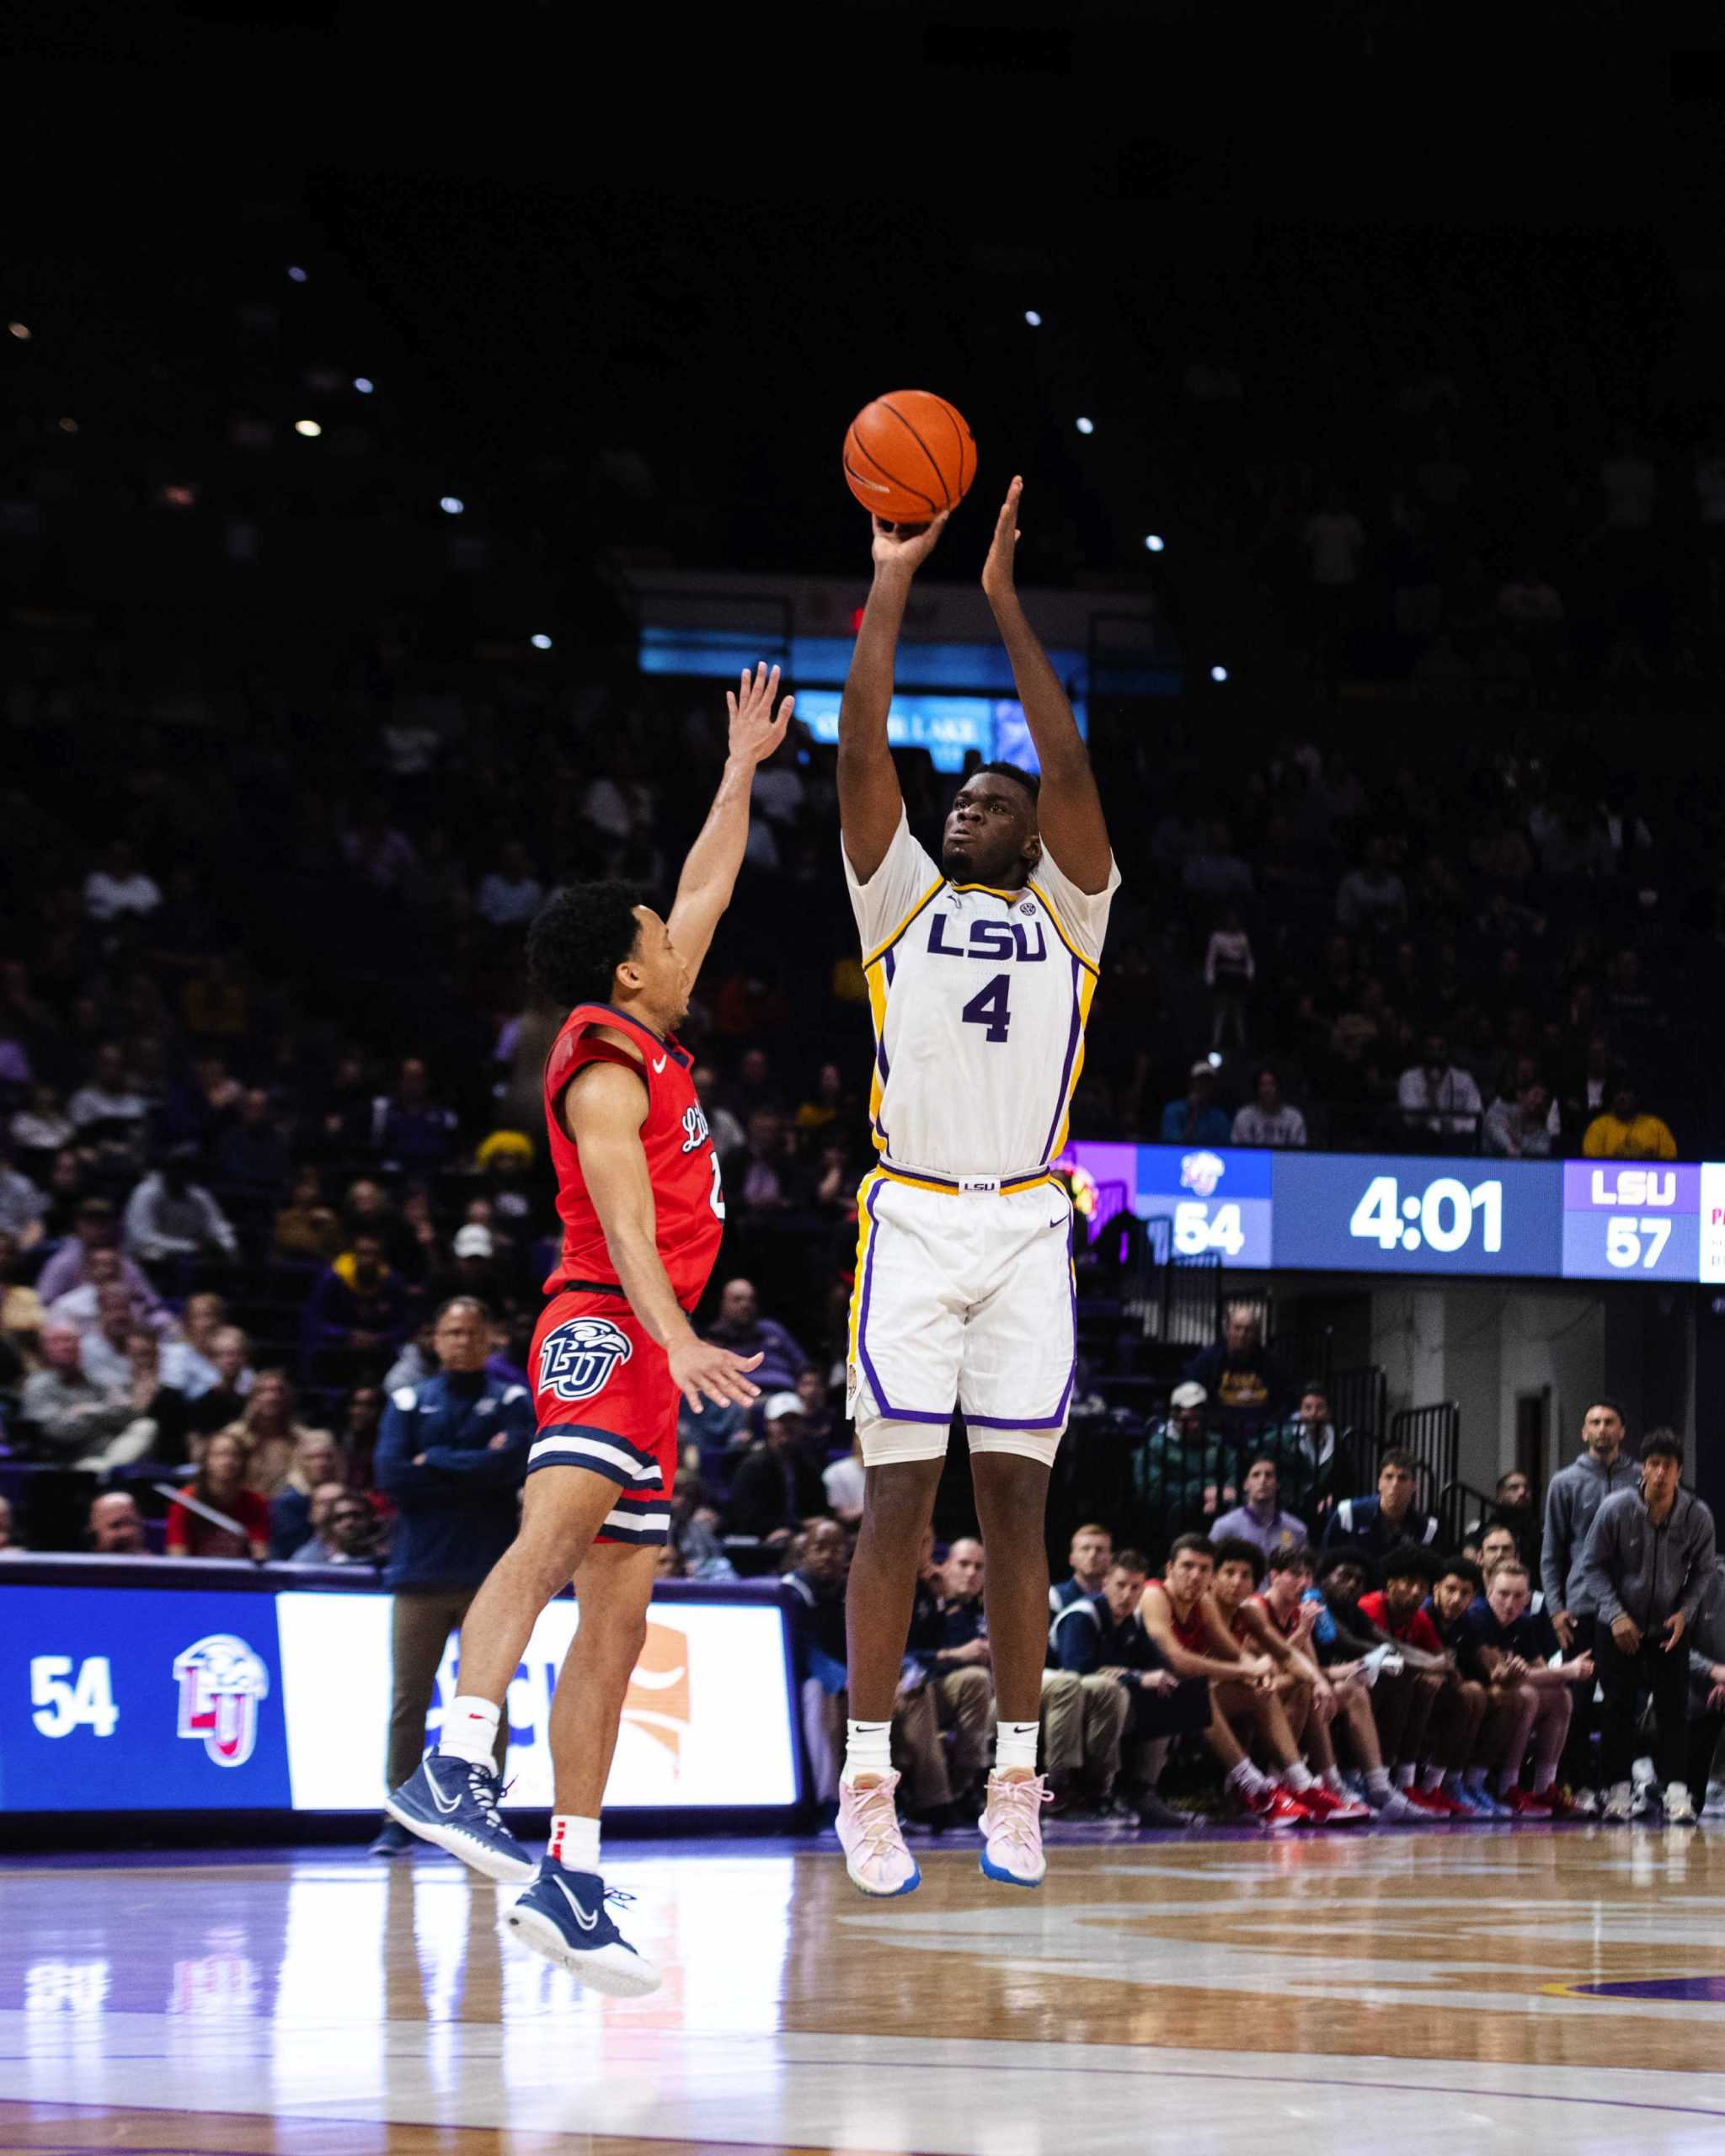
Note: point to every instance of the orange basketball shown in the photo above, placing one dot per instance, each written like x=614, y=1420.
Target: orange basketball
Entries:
x=908, y=455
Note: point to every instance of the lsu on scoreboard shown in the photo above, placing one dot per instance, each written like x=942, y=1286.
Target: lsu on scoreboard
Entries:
x=1419, y=1213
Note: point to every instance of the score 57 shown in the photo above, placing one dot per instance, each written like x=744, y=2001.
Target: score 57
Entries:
x=1623, y=1241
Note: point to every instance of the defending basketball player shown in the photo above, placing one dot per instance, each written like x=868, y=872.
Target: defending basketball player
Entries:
x=612, y=1357
x=980, y=971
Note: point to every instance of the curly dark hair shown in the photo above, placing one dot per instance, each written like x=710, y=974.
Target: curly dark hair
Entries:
x=579, y=938
x=1030, y=781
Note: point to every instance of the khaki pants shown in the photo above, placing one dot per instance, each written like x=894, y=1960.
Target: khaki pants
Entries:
x=961, y=1700
x=1083, y=1722
x=419, y=1628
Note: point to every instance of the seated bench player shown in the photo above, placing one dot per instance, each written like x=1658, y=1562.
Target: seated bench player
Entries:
x=1099, y=1639
x=1307, y=1696
x=1185, y=1626
x=1398, y=1610
x=1353, y=1656
x=1508, y=1648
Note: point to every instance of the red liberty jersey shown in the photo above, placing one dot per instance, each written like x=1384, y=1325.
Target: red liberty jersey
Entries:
x=687, y=1204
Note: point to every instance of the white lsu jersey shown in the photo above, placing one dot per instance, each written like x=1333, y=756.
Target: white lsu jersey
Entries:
x=980, y=998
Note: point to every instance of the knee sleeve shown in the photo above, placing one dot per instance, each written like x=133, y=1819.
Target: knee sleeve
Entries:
x=887, y=1443
x=1039, y=1445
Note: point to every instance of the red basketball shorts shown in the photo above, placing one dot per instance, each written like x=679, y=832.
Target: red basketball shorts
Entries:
x=604, y=1399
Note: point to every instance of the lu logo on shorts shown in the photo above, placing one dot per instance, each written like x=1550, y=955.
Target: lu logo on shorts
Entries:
x=577, y=1357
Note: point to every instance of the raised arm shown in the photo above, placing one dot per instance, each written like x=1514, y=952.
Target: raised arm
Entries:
x=1069, y=808
x=604, y=1110
x=870, y=804
x=710, y=872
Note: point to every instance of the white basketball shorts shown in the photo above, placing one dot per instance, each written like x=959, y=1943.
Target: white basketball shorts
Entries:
x=967, y=1299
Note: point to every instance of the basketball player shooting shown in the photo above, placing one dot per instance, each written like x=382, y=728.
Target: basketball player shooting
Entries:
x=613, y=1356
x=980, y=972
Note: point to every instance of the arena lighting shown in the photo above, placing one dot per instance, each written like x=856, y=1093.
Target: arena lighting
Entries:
x=451, y=505
x=1219, y=673
x=68, y=426
x=1214, y=1059
x=1087, y=426
x=309, y=428
x=364, y=384
x=296, y=275
x=1032, y=318
x=20, y=330
x=1154, y=542
x=540, y=644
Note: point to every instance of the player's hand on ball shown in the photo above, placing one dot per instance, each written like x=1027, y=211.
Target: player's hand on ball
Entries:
x=698, y=1366
x=905, y=546
x=754, y=731
x=997, y=569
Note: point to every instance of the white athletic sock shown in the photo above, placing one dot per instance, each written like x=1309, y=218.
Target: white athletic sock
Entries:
x=1404, y=1776
x=1377, y=1782
x=1246, y=1780
x=470, y=1730
x=1334, y=1781
x=1298, y=1777
x=1432, y=1778
x=574, y=1841
x=868, y=1749
x=1015, y=1747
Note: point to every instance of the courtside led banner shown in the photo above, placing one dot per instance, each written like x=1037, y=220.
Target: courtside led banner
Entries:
x=117, y=1698
x=1468, y=1214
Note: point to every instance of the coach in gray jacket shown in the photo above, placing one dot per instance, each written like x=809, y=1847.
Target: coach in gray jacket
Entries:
x=1648, y=1561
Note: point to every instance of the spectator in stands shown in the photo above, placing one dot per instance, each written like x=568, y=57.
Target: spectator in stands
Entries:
x=119, y=890
x=317, y=1461
x=21, y=1312
x=822, y=1428
x=1215, y=870
x=1133, y=1704
x=227, y=1398
x=1521, y=1124
x=108, y=1109
x=187, y=1363
x=220, y=1484
x=1376, y=1524
x=101, y=1346
x=775, y=1486
x=740, y=1327
x=453, y=1454
x=272, y=1431
x=1239, y=1373
x=822, y=1652
x=22, y=1205
x=947, y=1686
x=10, y=1546
x=1195, y=1119
x=1260, y=1519
x=1090, y=1556
x=1229, y=972
x=1625, y=1131
x=1512, y=1508
x=769, y=1176
x=1438, y=1096
x=78, y=1423
x=410, y=1129
x=509, y=895
x=81, y=1306
x=1510, y=1649
x=1372, y=899
x=254, y=1154
x=94, y=1228
x=1181, y=1619
x=1180, y=1467
x=116, y=1526
x=1266, y=1119
x=844, y=1481
x=1572, y=1500
x=43, y=1129
x=1649, y=1561
x=1081, y=1716
x=729, y=1137
x=168, y=1216
x=357, y=1314
x=307, y=1228
x=360, y=1433
x=348, y=1531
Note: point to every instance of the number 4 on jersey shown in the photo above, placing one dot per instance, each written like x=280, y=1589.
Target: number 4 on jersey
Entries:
x=988, y=1007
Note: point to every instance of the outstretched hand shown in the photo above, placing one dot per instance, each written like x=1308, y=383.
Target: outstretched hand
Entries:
x=997, y=569
x=754, y=731
x=906, y=546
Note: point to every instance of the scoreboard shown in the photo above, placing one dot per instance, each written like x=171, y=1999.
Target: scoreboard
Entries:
x=1469, y=1215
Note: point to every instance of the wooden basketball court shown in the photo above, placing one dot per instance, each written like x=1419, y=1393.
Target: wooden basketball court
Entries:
x=1462, y=1989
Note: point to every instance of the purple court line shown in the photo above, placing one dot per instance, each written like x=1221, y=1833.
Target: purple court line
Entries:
x=938, y=2066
